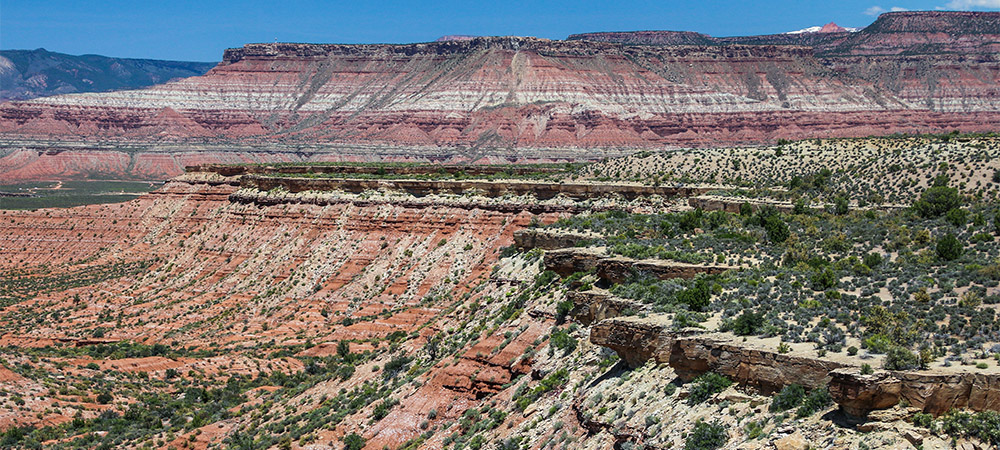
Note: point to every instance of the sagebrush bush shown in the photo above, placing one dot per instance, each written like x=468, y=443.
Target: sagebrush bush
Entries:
x=706, y=436
x=706, y=386
x=790, y=397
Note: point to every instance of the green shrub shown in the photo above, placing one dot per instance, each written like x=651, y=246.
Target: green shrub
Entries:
x=957, y=217
x=383, y=408
x=815, y=401
x=706, y=436
x=790, y=397
x=507, y=252
x=344, y=350
x=754, y=429
x=686, y=320
x=983, y=425
x=937, y=200
x=877, y=343
x=777, y=229
x=698, y=297
x=549, y=383
x=746, y=324
x=923, y=420
x=104, y=398
x=544, y=278
x=690, y=220
x=840, y=206
x=899, y=358
x=873, y=260
x=563, y=309
x=706, y=386
x=949, y=248
x=396, y=365
x=800, y=207
x=824, y=279
x=562, y=340
x=354, y=441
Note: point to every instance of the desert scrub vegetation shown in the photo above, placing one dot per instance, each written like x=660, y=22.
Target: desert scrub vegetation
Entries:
x=984, y=426
x=23, y=284
x=525, y=396
x=706, y=436
x=873, y=170
x=707, y=385
x=795, y=396
x=918, y=284
x=182, y=403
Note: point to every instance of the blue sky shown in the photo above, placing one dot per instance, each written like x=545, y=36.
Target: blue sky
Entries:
x=201, y=30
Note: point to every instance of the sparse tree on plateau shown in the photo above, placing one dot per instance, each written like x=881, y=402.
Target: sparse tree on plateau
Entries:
x=949, y=247
x=937, y=201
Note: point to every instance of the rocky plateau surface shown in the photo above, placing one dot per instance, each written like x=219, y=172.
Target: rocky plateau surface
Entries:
x=691, y=352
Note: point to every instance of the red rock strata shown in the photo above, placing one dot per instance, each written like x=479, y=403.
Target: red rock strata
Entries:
x=238, y=275
x=193, y=232
x=528, y=99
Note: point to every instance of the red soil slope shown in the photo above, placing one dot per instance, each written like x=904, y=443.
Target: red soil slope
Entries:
x=233, y=276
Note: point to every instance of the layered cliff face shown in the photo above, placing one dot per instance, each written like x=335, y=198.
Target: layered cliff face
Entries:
x=486, y=92
x=186, y=266
x=531, y=99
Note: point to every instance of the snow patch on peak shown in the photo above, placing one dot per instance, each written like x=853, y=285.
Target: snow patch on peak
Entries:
x=806, y=30
x=828, y=28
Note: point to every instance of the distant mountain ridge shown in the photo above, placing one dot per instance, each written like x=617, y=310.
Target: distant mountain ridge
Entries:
x=27, y=74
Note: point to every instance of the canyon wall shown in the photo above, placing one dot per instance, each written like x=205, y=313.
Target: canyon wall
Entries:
x=514, y=99
x=214, y=272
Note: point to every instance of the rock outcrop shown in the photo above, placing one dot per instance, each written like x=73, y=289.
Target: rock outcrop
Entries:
x=893, y=33
x=372, y=169
x=925, y=32
x=620, y=269
x=767, y=371
x=733, y=204
x=567, y=261
x=596, y=305
x=859, y=394
x=691, y=353
x=549, y=239
x=617, y=269
x=932, y=392
x=538, y=189
x=635, y=340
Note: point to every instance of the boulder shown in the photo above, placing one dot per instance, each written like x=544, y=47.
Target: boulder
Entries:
x=859, y=394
